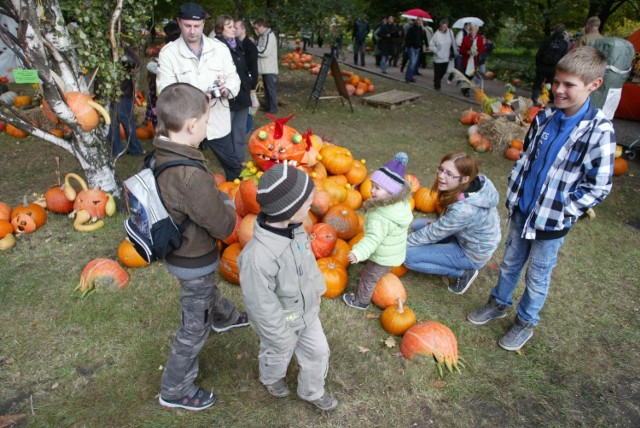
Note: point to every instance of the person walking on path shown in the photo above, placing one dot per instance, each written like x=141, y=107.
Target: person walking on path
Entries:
x=591, y=32
x=360, y=32
x=204, y=63
x=565, y=169
x=464, y=237
x=414, y=40
x=443, y=46
x=471, y=48
x=268, y=64
x=385, y=43
x=282, y=287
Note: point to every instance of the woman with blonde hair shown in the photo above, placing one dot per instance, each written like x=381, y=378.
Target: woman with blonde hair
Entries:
x=466, y=233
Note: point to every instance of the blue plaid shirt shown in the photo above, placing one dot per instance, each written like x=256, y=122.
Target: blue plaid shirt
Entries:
x=579, y=178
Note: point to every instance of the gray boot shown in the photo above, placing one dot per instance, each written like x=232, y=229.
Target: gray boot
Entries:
x=519, y=333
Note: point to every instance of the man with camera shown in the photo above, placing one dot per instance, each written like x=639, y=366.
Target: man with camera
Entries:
x=206, y=64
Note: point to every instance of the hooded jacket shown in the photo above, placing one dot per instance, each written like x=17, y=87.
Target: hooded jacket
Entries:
x=191, y=193
x=385, y=229
x=473, y=221
x=281, y=285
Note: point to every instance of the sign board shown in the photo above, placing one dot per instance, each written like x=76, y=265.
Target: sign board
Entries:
x=329, y=63
x=26, y=76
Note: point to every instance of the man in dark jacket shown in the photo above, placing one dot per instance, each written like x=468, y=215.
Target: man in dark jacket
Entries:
x=385, y=43
x=360, y=32
x=413, y=41
x=551, y=50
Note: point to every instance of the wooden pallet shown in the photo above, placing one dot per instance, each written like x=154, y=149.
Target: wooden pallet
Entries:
x=391, y=99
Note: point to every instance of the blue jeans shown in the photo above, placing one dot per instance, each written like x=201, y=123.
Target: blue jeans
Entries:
x=383, y=63
x=358, y=50
x=542, y=257
x=122, y=112
x=414, y=54
x=442, y=258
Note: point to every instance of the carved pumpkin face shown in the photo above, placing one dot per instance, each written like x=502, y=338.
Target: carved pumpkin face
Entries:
x=276, y=142
x=92, y=200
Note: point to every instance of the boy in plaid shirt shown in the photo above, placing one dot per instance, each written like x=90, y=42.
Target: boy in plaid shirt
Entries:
x=565, y=169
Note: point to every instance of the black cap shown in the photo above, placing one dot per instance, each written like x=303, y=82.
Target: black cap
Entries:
x=192, y=11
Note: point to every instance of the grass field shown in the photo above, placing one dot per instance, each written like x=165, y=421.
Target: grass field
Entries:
x=96, y=362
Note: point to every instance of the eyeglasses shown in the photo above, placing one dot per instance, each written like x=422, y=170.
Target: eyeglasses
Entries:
x=447, y=174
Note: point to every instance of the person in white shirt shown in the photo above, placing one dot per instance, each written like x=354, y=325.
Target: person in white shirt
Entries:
x=444, y=49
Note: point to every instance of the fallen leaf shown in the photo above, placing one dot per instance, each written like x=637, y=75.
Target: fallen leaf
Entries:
x=240, y=356
x=10, y=420
x=55, y=385
x=390, y=342
x=439, y=383
x=362, y=349
x=445, y=280
x=35, y=322
x=371, y=316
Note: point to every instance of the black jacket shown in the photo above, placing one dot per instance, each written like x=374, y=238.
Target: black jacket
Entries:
x=242, y=100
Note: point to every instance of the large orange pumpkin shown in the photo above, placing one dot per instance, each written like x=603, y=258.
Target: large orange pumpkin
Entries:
x=56, y=201
x=321, y=202
x=323, y=240
x=93, y=201
x=431, y=338
x=337, y=193
x=129, y=257
x=340, y=251
x=343, y=219
x=365, y=188
x=335, y=276
x=245, y=230
x=103, y=273
x=276, y=142
x=248, y=192
x=233, y=237
x=353, y=199
x=337, y=160
x=388, y=289
x=425, y=200
x=229, y=263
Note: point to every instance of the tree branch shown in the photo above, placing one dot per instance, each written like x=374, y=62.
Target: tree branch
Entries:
x=115, y=19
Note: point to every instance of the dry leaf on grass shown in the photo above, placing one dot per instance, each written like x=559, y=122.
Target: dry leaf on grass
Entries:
x=440, y=383
x=371, y=316
x=362, y=349
x=390, y=342
x=10, y=420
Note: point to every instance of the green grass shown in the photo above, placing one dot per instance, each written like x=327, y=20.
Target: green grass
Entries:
x=67, y=361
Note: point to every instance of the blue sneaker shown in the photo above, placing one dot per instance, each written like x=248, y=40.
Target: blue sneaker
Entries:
x=198, y=400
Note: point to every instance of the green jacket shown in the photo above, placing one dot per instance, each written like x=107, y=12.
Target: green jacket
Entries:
x=386, y=226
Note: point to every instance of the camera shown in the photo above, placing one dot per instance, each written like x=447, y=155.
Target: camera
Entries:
x=215, y=90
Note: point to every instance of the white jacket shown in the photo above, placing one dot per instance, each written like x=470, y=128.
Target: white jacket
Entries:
x=440, y=46
x=268, y=53
x=177, y=63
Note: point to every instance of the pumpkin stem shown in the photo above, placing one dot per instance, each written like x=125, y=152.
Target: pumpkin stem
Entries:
x=57, y=171
x=400, y=308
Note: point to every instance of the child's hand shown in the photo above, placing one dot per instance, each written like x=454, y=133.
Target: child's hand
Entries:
x=352, y=258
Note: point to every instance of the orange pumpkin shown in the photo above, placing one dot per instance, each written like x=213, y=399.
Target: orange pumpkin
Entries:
x=517, y=144
x=276, y=142
x=56, y=201
x=340, y=251
x=483, y=146
x=248, y=192
x=23, y=223
x=531, y=113
x=365, y=188
x=337, y=193
x=22, y=101
x=33, y=210
x=512, y=154
x=323, y=240
x=336, y=159
x=431, y=338
x=335, y=276
x=57, y=132
x=339, y=179
x=388, y=289
x=5, y=228
x=353, y=241
x=413, y=182
x=397, y=319
x=233, y=237
x=620, y=167
x=343, y=219
x=474, y=140
x=144, y=133
x=230, y=188
x=94, y=201
x=245, y=230
x=469, y=117
x=103, y=273
x=78, y=103
x=426, y=200
x=15, y=132
x=321, y=202
x=399, y=271
x=229, y=263
x=357, y=173
x=129, y=257
x=5, y=211
x=353, y=199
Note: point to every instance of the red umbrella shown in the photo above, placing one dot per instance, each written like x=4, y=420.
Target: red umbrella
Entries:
x=417, y=13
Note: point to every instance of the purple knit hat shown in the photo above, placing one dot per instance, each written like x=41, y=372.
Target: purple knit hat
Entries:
x=391, y=176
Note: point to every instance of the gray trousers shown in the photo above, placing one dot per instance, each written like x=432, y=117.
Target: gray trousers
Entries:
x=270, y=94
x=202, y=303
x=370, y=275
x=239, y=132
x=312, y=353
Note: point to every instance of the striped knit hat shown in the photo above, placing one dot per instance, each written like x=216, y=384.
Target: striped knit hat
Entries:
x=391, y=176
x=282, y=190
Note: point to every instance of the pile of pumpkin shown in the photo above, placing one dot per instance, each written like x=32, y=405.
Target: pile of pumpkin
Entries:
x=334, y=225
x=357, y=85
x=87, y=207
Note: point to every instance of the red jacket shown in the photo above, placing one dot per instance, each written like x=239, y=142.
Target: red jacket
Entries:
x=465, y=47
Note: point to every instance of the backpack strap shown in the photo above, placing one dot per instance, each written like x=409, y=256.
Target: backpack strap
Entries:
x=158, y=169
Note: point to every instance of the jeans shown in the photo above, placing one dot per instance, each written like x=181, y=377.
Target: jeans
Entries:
x=542, y=257
x=122, y=112
x=358, y=50
x=444, y=258
x=270, y=93
x=239, y=132
x=384, y=60
x=414, y=53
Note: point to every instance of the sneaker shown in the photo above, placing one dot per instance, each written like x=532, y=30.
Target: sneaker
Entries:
x=463, y=283
x=350, y=300
x=279, y=389
x=492, y=310
x=242, y=321
x=197, y=401
x=519, y=333
x=326, y=402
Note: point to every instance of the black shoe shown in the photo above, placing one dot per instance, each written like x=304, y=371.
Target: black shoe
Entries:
x=463, y=283
x=199, y=400
x=350, y=300
x=418, y=73
x=242, y=321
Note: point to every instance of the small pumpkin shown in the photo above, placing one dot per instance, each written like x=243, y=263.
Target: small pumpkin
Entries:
x=399, y=271
x=229, y=263
x=56, y=200
x=413, y=181
x=483, y=146
x=86, y=110
x=32, y=210
x=248, y=191
x=15, y=132
x=22, y=101
x=335, y=276
x=337, y=193
x=233, y=237
x=321, y=202
x=97, y=202
x=353, y=199
x=245, y=230
x=512, y=154
x=144, y=133
x=620, y=167
x=323, y=239
x=129, y=257
x=357, y=173
x=340, y=252
x=102, y=273
x=388, y=289
x=337, y=160
x=343, y=219
x=397, y=319
x=365, y=188
x=426, y=200
x=517, y=144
